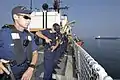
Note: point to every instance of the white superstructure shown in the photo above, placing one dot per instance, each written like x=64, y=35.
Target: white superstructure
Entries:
x=39, y=20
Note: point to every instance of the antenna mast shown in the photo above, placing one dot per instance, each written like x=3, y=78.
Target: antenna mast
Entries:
x=57, y=7
x=30, y=4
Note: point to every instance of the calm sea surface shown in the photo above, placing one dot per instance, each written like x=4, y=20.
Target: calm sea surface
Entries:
x=107, y=53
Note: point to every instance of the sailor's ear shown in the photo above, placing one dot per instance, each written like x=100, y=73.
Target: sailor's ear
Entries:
x=15, y=16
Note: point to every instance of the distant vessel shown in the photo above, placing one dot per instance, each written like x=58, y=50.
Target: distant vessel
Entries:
x=106, y=37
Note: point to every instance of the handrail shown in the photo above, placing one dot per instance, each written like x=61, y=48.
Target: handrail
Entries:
x=87, y=67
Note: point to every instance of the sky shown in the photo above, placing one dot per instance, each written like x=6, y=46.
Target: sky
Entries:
x=93, y=17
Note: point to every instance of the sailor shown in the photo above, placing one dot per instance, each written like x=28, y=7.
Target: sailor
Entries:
x=50, y=36
x=17, y=46
x=65, y=43
x=62, y=48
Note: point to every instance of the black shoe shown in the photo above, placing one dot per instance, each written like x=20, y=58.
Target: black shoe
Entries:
x=54, y=72
x=57, y=67
x=59, y=60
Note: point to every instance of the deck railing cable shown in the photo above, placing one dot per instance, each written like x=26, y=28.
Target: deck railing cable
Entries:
x=87, y=67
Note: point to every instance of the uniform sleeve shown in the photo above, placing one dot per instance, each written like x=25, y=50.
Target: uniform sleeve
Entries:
x=4, y=44
x=1, y=40
x=1, y=44
x=44, y=32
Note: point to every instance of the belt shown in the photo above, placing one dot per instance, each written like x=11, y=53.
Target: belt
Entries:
x=14, y=63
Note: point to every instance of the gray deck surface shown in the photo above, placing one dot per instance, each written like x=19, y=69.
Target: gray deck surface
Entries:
x=64, y=70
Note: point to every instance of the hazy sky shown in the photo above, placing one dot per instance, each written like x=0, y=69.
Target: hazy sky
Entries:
x=93, y=17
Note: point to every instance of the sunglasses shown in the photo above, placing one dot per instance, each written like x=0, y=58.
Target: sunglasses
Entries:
x=25, y=16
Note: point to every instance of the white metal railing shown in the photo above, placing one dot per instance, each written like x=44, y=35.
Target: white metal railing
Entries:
x=87, y=67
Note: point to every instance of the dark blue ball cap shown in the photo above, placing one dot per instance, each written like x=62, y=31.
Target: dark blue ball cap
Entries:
x=21, y=9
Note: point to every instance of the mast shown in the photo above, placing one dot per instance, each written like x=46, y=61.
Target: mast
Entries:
x=57, y=7
x=30, y=4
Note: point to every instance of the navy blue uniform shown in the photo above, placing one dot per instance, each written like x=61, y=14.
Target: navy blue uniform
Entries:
x=62, y=47
x=6, y=50
x=65, y=43
x=48, y=55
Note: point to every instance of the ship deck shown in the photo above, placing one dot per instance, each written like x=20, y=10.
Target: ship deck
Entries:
x=64, y=70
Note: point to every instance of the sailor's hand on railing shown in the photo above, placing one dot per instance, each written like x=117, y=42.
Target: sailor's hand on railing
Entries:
x=2, y=67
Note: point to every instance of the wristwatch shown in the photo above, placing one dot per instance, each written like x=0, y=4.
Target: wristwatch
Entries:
x=32, y=66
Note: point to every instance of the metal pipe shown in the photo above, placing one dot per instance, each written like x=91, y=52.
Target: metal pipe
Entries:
x=43, y=20
x=46, y=18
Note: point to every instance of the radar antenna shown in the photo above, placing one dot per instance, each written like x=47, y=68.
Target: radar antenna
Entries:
x=57, y=7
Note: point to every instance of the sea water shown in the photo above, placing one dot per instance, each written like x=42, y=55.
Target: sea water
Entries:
x=106, y=53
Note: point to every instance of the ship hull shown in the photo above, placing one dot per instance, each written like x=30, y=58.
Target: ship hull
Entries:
x=106, y=38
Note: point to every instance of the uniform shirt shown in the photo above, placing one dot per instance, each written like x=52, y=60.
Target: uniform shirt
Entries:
x=51, y=36
x=6, y=47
